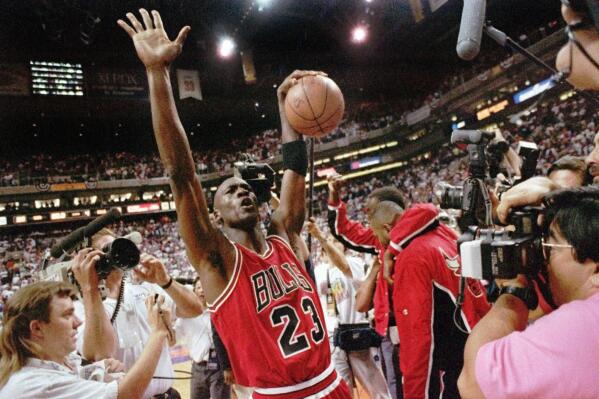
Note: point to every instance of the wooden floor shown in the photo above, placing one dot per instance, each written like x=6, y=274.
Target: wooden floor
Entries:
x=181, y=362
x=183, y=385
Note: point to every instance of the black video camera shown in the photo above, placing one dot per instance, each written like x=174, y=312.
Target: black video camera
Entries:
x=260, y=176
x=488, y=252
x=121, y=253
x=472, y=198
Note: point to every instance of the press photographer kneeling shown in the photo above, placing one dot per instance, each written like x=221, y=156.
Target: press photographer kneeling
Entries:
x=37, y=347
x=558, y=355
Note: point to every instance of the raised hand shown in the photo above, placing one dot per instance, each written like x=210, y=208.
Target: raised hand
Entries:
x=151, y=270
x=313, y=229
x=291, y=80
x=153, y=46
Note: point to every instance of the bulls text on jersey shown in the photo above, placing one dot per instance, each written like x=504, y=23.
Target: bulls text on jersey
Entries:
x=275, y=282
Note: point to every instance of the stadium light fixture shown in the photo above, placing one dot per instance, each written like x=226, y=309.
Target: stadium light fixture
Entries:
x=359, y=34
x=226, y=47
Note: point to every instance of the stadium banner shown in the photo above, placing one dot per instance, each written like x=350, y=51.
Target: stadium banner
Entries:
x=417, y=10
x=117, y=83
x=419, y=115
x=436, y=4
x=188, y=81
x=249, y=69
x=67, y=186
x=14, y=79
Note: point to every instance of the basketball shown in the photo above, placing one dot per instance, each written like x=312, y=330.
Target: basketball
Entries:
x=314, y=105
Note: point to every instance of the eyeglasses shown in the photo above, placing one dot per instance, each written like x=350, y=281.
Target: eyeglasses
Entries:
x=548, y=246
x=570, y=29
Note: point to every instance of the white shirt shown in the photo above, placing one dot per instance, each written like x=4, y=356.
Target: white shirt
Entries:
x=196, y=334
x=47, y=379
x=133, y=331
x=344, y=290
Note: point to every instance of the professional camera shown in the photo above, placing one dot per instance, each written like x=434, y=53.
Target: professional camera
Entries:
x=260, y=176
x=122, y=253
x=488, y=252
x=485, y=159
x=472, y=198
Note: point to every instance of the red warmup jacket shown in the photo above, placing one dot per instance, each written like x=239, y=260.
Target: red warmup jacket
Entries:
x=362, y=239
x=426, y=285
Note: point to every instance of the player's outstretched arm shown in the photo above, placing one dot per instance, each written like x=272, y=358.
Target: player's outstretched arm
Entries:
x=202, y=240
x=288, y=219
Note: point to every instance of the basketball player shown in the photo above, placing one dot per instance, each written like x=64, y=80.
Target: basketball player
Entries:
x=263, y=305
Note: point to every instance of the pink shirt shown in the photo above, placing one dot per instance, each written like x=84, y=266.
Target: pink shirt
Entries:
x=556, y=357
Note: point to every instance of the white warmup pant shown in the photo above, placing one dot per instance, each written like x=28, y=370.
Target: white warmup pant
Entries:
x=362, y=366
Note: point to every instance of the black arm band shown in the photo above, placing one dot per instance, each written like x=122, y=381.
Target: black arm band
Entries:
x=295, y=157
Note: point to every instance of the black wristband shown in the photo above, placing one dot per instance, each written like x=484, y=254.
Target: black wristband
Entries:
x=165, y=286
x=295, y=157
x=526, y=295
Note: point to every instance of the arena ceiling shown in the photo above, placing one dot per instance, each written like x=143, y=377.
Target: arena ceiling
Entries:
x=283, y=35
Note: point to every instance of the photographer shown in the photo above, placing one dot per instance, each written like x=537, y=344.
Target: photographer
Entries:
x=558, y=356
x=118, y=326
x=37, y=346
x=569, y=172
x=426, y=279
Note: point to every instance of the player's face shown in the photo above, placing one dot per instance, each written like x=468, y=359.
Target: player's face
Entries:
x=592, y=161
x=237, y=204
x=380, y=230
x=369, y=208
x=583, y=74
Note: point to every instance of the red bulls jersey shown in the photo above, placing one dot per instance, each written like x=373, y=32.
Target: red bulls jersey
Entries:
x=271, y=322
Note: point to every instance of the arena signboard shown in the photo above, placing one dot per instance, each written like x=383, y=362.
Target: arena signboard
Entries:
x=117, y=83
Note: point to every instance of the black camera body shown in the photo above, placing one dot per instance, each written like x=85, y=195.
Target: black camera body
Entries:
x=121, y=253
x=470, y=198
x=488, y=252
x=501, y=253
x=260, y=176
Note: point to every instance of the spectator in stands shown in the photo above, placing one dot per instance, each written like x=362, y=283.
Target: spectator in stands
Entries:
x=121, y=317
x=426, y=281
x=562, y=346
x=336, y=280
x=37, y=345
x=592, y=161
x=569, y=171
x=207, y=375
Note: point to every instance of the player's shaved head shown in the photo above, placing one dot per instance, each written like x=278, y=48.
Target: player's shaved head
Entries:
x=383, y=217
x=386, y=212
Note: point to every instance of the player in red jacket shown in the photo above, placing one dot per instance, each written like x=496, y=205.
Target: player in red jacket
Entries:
x=426, y=280
x=375, y=290
x=265, y=308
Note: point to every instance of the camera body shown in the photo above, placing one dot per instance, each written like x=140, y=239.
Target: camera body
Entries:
x=260, y=176
x=122, y=253
x=487, y=252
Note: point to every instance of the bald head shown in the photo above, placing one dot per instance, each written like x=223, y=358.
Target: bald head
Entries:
x=235, y=204
x=383, y=218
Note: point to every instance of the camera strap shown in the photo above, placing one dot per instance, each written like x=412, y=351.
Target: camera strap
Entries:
x=119, y=301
